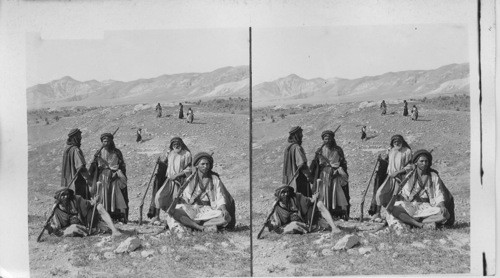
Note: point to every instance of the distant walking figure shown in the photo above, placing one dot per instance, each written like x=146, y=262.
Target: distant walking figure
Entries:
x=414, y=113
x=158, y=110
x=139, y=136
x=363, y=133
x=181, y=111
x=405, y=109
x=190, y=116
x=383, y=107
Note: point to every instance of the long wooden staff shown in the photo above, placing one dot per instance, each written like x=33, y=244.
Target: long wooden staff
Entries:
x=366, y=190
x=146, y=192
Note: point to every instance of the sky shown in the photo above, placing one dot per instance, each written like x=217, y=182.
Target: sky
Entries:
x=130, y=55
x=356, y=51
x=310, y=52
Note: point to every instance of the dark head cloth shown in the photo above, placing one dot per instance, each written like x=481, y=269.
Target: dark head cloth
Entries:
x=59, y=192
x=285, y=188
x=107, y=135
x=201, y=155
x=327, y=132
x=419, y=153
x=295, y=129
x=74, y=132
x=403, y=141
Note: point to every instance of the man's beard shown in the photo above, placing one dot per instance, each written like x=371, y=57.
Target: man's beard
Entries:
x=398, y=147
x=177, y=150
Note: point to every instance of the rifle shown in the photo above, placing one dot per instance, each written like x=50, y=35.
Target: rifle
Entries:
x=179, y=193
x=54, y=209
x=366, y=190
x=94, y=182
x=276, y=202
x=336, y=129
x=48, y=221
x=145, y=193
x=94, y=161
x=398, y=189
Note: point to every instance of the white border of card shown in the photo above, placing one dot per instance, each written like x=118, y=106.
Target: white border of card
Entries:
x=89, y=19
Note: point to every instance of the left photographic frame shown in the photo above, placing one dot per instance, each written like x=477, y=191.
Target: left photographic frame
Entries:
x=153, y=127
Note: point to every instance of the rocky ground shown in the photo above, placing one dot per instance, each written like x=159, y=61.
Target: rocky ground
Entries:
x=142, y=251
x=443, y=129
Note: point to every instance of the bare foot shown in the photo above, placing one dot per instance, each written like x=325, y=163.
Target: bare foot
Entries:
x=116, y=233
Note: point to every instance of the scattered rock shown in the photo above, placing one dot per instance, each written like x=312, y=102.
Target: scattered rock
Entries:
x=443, y=241
x=200, y=248
x=418, y=245
x=178, y=258
x=365, y=250
x=135, y=254
x=209, y=245
x=311, y=254
x=395, y=255
x=93, y=257
x=147, y=253
x=109, y=255
x=65, y=248
x=224, y=244
x=128, y=245
x=352, y=252
x=383, y=247
x=164, y=249
x=346, y=242
x=327, y=252
x=427, y=241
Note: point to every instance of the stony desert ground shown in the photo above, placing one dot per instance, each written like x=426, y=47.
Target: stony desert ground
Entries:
x=160, y=254
x=443, y=126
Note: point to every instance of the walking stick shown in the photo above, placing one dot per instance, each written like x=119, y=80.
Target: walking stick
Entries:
x=274, y=206
x=146, y=192
x=48, y=221
x=89, y=231
x=54, y=209
x=367, y=187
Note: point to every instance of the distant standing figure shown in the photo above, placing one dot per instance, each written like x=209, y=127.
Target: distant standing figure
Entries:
x=158, y=110
x=181, y=111
x=363, y=133
x=414, y=113
x=405, y=109
x=139, y=136
x=383, y=106
x=190, y=116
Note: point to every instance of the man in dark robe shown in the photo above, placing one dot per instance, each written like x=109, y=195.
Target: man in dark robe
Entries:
x=380, y=176
x=74, y=164
x=383, y=107
x=329, y=170
x=181, y=111
x=294, y=212
x=405, y=109
x=295, y=160
x=158, y=110
x=73, y=214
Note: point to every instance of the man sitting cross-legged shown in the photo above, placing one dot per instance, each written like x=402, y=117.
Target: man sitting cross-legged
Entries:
x=424, y=200
x=294, y=211
x=205, y=204
x=73, y=214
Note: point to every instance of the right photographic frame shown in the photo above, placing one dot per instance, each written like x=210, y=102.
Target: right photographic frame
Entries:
x=363, y=157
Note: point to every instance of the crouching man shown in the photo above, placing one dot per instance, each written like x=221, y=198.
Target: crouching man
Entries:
x=73, y=214
x=294, y=211
x=205, y=204
x=424, y=200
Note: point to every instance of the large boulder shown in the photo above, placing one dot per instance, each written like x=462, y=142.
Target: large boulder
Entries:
x=128, y=245
x=346, y=242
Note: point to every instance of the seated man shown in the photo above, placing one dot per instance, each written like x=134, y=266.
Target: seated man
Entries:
x=204, y=204
x=294, y=211
x=424, y=200
x=73, y=214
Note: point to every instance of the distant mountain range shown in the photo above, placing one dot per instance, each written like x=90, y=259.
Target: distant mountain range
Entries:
x=233, y=82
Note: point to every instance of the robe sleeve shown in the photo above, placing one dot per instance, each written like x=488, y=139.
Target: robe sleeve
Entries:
x=300, y=156
x=187, y=163
x=438, y=186
x=78, y=159
x=219, y=190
